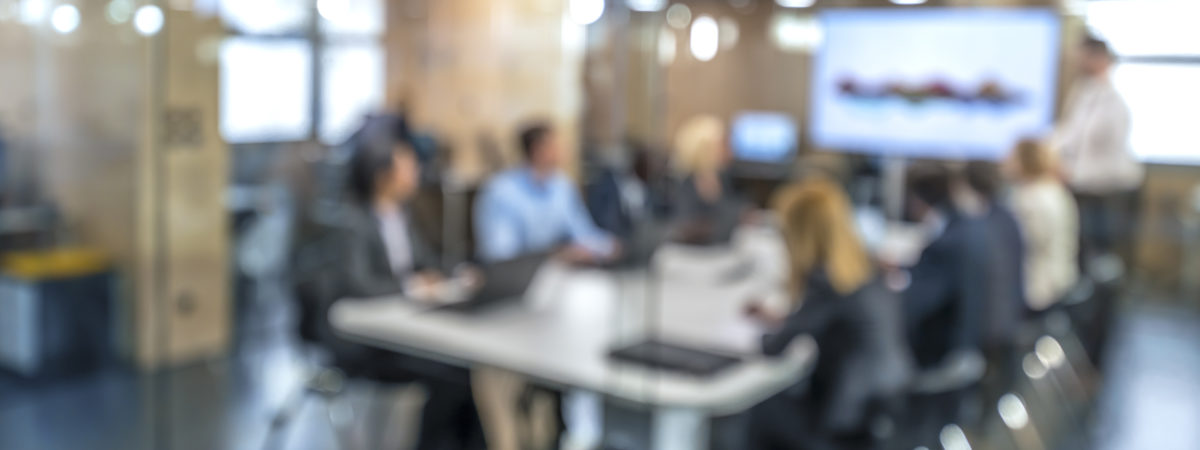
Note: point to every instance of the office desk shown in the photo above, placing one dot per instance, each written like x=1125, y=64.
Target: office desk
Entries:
x=570, y=319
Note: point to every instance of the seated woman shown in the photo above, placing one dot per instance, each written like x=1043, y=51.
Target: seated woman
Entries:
x=857, y=323
x=1049, y=221
x=705, y=208
x=381, y=253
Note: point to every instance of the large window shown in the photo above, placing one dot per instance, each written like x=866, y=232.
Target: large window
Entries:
x=284, y=55
x=1158, y=45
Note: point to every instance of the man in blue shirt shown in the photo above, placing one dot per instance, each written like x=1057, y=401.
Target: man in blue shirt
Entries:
x=536, y=207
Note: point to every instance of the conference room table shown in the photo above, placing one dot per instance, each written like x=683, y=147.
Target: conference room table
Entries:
x=561, y=333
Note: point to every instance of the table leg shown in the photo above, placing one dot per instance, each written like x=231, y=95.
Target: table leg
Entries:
x=680, y=429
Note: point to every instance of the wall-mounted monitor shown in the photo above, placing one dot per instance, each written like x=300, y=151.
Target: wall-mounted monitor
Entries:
x=763, y=137
x=933, y=82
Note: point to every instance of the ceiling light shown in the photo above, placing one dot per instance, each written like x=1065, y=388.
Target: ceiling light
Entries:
x=646, y=5
x=64, y=19
x=796, y=3
x=705, y=38
x=148, y=20
x=679, y=16
x=585, y=12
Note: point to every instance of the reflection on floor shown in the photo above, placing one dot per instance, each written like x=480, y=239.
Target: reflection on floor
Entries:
x=1151, y=399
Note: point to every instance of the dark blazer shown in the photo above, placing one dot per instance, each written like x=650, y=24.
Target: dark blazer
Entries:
x=945, y=298
x=366, y=270
x=864, y=356
x=360, y=270
x=605, y=202
x=701, y=221
x=1006, y=278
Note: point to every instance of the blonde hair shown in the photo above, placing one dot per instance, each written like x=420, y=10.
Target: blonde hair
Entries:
x=699, y=144
x=1033, y=159
x=816, y=222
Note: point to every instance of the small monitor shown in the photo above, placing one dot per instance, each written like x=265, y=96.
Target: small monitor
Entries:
x=763, y=137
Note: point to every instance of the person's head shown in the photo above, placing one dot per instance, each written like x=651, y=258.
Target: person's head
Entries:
x=816, y=221
x=928, y=187
x=700, y=146
x=541, y=148
x=1095, y=57
x=984, y=178
x=383, y=169
x=1032, y=160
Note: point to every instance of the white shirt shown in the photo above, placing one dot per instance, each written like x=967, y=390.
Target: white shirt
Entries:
x=1093, y=139
x=1049, y=223
x=393, y=228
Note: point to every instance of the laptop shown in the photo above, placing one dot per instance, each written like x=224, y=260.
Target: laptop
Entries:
x=673, y=357
x=503, y=281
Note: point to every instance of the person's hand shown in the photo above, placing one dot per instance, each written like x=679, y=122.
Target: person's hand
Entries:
x=755, y=309
x=576, y=255
x=469, y=275
x=424, y=285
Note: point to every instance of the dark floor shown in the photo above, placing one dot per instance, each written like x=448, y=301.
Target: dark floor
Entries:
x=1150, y=399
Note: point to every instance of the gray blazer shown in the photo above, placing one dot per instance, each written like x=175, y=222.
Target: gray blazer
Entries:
x=365, y=269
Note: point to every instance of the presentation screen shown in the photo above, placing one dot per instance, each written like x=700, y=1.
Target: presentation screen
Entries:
x=937, y=83
x=763, y=137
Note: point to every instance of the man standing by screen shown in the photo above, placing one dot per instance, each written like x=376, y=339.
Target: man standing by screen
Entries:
x=1097, y=161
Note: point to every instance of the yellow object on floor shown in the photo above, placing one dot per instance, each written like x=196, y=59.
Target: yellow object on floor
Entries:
x=54, y=263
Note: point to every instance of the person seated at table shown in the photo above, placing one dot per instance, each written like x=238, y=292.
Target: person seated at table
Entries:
x=624, y=196
x=706, y=208
x=528, y=209
x=1049, y=220
x=944, y=291
x=382, y=253
x=536, y=207
x=857, y=323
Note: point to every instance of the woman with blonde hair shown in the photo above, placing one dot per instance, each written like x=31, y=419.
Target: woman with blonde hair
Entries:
x=705, y=206
x=857, y=323
x=1049, y=220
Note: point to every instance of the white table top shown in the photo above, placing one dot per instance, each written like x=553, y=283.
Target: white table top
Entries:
x=571, y=319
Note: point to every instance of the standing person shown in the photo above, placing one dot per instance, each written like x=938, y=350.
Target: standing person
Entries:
x=382, y=253
x=1097, y=161
x=1049, y=222
x=857, y=323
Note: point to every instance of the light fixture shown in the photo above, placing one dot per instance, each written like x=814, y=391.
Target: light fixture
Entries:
x=953, y=438
x=119, y=11
x=796, y=33
x=646, y=5
x=33, y=12
x=1012, y=411
x=679, y=16
x=332, y=10
x=908, y=2
x=667, y=45
x=705, y=38
x=148, y=20
x=585, y=12
x=796, y=3
x=65, y=18
x=1049, y=352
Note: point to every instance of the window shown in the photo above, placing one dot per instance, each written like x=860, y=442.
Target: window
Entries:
x=1158, y=48
x=277, y=60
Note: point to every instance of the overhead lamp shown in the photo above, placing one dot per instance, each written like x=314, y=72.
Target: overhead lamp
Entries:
x=679, y=16
x=148, y=20
x=64, y=19
x=585, y=12
x=705, y=38
x=646, y=5
x=796, y=3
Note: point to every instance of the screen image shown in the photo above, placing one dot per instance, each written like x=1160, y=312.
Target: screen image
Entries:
x=935, y=83
x=763, y=137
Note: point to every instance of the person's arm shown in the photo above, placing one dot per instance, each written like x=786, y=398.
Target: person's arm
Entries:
x=813, y=316
x=497, y=232
x=582, y=229
x=929, y=286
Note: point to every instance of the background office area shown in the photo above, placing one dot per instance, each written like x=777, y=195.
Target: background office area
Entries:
x=320, y=224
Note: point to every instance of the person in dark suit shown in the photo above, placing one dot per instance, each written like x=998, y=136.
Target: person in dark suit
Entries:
x=381, y=254
x=1005, y=290
x=622, y=198
x=943, y=299
x=857, y=323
